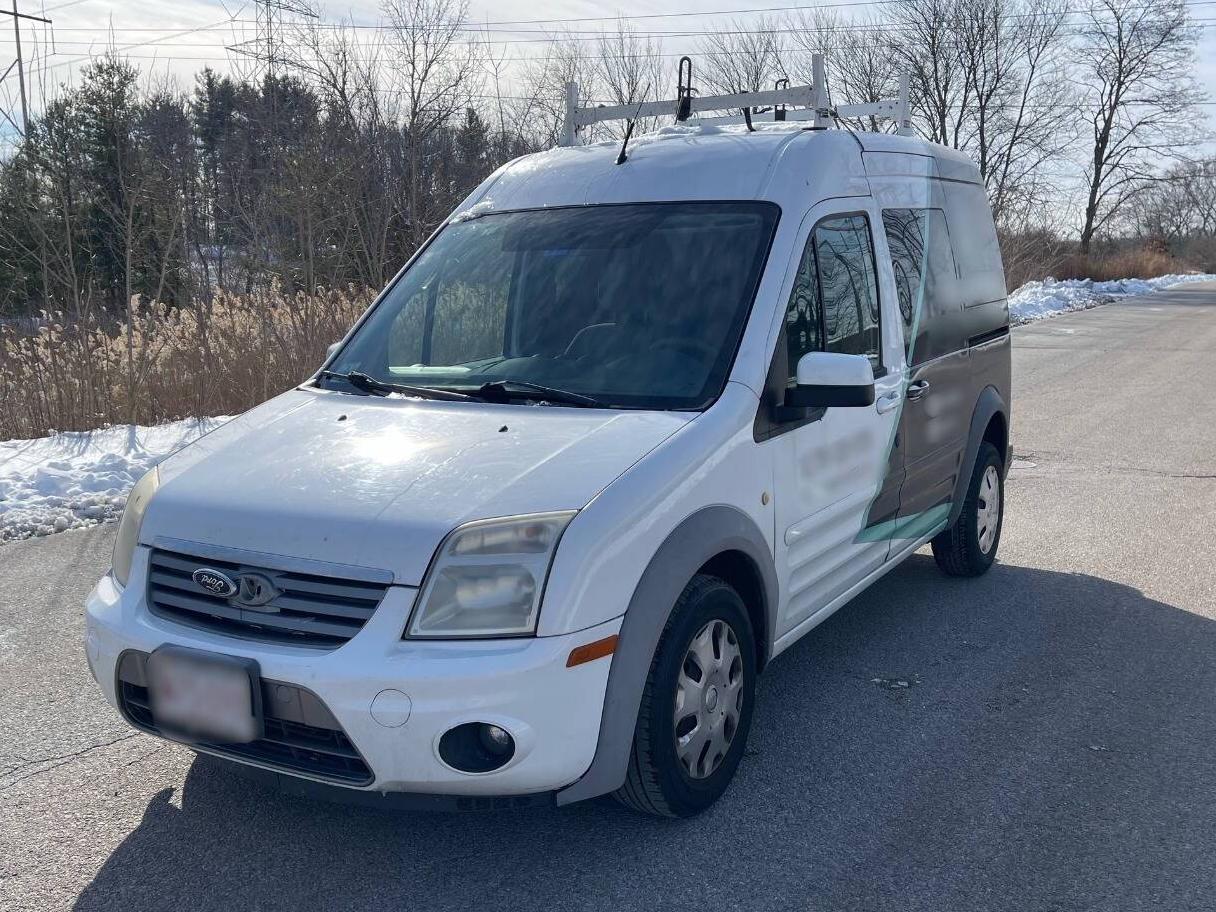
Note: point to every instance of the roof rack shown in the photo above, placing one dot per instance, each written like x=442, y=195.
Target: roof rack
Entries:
x=785, y=103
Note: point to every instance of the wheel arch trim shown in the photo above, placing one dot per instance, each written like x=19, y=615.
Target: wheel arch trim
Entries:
x=988, y=404
x=698, y=539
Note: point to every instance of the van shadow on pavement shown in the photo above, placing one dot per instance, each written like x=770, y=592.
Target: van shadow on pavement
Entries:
x=1028, y=740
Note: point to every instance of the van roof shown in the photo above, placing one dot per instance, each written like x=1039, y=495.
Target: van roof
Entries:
x=689, y=162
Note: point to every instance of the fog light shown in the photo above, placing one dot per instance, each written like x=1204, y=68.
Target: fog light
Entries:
x=494, y=739
x=476, y=747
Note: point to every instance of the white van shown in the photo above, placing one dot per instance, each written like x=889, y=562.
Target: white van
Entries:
x=625, y=429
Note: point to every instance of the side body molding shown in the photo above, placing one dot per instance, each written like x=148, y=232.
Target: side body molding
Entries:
x=695, y=541
x=988, y=404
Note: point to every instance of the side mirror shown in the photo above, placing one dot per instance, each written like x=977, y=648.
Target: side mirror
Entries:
x=330, y=349
x=832, y=380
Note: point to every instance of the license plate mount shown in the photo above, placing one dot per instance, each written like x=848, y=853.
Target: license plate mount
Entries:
x=199, y=696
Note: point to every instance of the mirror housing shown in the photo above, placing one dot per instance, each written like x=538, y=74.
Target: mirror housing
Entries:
x=832, y=380
x=330, y=349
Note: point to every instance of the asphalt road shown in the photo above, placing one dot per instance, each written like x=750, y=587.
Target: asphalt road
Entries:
x=1056, y=747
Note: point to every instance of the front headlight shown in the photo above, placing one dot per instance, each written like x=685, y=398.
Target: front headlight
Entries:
x=128, y=526
x=488, y=578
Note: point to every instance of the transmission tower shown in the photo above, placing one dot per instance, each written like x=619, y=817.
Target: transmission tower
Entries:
x=19, y=63
x=266, y=47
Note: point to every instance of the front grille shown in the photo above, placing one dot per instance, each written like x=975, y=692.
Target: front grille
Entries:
x=300, y=735
x=311, y=610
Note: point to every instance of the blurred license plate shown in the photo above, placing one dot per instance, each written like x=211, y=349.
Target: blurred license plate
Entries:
x=204, y=696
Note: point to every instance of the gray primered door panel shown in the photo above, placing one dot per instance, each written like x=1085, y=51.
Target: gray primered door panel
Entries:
x=933, y=428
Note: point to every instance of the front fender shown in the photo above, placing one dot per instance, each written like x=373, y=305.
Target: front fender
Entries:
x=694, y=542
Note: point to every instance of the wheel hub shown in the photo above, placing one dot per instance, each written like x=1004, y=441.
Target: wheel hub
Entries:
x=988, y=509
x=709, y=699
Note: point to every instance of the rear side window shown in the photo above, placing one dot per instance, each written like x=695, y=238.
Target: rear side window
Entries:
x=925, y=280
x=834, y=303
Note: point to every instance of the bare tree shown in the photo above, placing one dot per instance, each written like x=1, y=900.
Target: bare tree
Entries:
x=745, y=57
x=1136, y=60
x=861, y=66
x=926, y=44
x=542, y=107
x=1012, y=56
x=1180, y=205
x=436, y=72
x=630, y=71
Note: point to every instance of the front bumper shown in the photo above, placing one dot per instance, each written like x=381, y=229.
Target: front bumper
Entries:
x=523, y=685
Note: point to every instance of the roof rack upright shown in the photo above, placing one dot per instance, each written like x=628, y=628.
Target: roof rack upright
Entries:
x=787, y=103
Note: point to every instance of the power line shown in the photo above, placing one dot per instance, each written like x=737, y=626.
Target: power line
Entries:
x=483, y=27
x=874, y=28
x=894, y=29
x=551, y=38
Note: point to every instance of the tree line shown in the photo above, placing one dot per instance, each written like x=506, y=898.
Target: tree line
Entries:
x=327, y=166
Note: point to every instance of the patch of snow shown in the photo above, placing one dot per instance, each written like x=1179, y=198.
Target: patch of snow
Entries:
x=1036, y=300
x=81, y=478
x=477, y=210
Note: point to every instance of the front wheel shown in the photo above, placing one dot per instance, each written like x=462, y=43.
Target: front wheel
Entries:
x=697, y=706
x=968, y=548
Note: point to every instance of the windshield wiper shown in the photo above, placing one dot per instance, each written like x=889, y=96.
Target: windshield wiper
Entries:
x=370, y=384
x=499, y=388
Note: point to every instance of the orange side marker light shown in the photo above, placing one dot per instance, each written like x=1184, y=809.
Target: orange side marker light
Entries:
x=592, y=651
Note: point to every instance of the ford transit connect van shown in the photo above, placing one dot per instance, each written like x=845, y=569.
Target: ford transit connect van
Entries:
x=615, y=438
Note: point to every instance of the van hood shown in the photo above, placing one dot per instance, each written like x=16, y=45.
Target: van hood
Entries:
x=378, y=482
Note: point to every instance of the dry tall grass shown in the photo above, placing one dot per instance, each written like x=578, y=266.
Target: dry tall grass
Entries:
x=1034, y=256
x=1137, y=263
x=158, y=363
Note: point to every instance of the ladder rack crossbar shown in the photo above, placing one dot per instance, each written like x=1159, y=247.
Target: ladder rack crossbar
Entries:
x=801, y=96
x=804, y=102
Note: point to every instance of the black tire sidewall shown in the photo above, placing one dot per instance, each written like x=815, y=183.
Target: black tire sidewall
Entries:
x=987, y=456
x=684, y=794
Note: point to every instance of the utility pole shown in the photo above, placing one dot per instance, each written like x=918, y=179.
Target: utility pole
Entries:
x=17, y=17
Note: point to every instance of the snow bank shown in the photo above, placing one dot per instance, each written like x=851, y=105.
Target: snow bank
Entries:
x=80, y=478
x=1036, y=300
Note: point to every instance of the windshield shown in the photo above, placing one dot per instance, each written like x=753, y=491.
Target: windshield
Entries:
x=630, y=306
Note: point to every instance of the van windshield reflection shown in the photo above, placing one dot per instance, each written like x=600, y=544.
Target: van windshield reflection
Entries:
x=623, y=306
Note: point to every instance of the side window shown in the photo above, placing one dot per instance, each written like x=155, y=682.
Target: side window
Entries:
x=925, y=280
x=834, y=302
x=848, y=287
x=905, y=230
x=803, y=316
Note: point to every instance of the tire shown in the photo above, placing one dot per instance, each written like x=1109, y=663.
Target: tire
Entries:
x=659, y=781
x=968, y=548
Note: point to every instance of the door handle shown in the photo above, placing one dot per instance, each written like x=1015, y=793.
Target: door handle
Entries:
x=886, y=403
x=916, y=390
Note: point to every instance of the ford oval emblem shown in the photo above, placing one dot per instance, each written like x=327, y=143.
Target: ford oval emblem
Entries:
x=214, y=581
